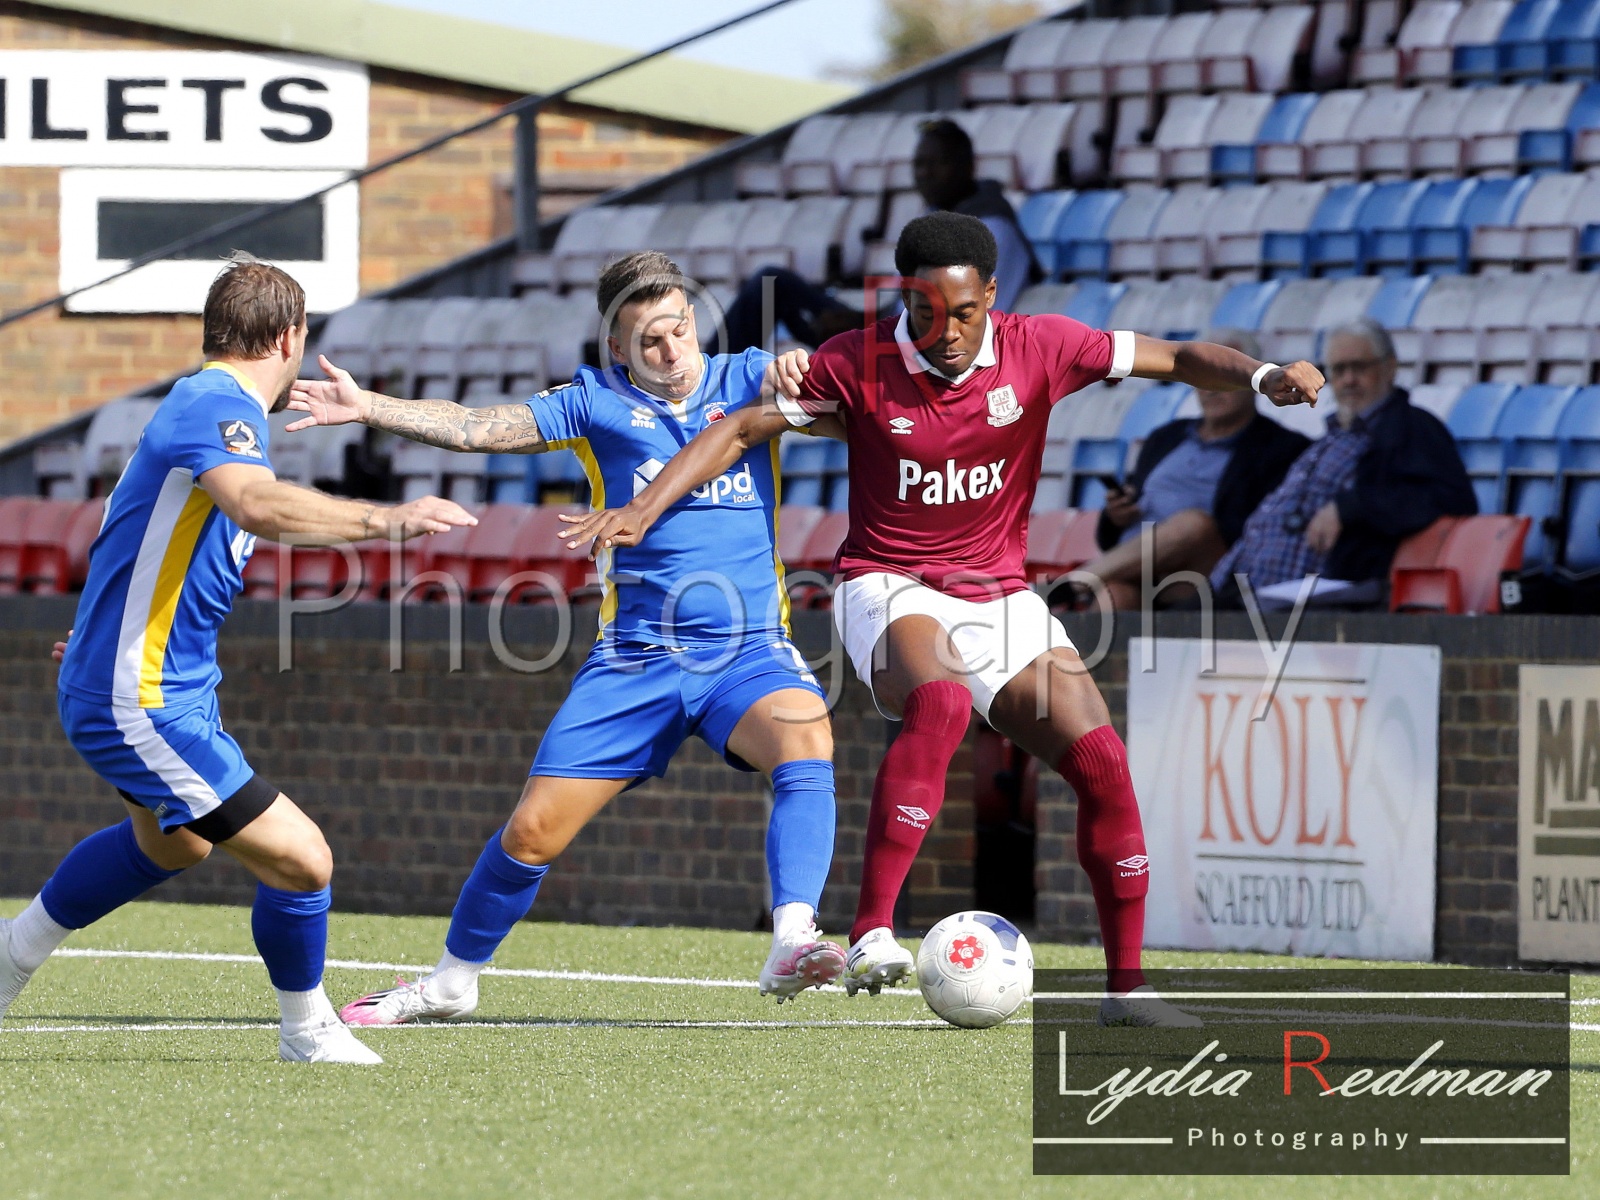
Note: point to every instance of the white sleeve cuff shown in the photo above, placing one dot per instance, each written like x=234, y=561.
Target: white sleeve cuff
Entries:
x=792, y=412
x=1121, y=354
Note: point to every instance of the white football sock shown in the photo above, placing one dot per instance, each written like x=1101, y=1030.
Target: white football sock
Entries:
x=453, y=978
x=792, y=922
x=34, y=936
x=305, y=1010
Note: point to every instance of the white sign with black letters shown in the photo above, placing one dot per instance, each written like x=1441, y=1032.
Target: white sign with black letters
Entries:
x=1558, y=815
x=1310, y=831
x=180, y=108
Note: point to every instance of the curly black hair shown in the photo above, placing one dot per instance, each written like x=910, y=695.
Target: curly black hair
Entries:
x=946, y=239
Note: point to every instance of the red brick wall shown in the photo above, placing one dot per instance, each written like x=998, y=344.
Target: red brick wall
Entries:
x=416, y=216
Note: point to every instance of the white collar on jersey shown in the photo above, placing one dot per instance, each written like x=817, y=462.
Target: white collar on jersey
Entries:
x=918, y=365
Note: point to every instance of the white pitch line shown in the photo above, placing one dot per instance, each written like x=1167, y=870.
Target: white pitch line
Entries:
x=581, y=1023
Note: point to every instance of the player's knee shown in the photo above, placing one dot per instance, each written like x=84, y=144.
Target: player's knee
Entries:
x=531, y=838
x=173, y=854
x=309, y=868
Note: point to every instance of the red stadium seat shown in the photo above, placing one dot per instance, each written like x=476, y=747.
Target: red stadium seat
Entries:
x=796, y=523
x=321, y=572
x=81, y=534
x=445, y=558
x=539, y=547
x=1073, y=542
x=487, y=559
x=14, y=514
x=44, y=564
x=264, y=578
x=823, y=544
x=388, y=566
x=1465, y=574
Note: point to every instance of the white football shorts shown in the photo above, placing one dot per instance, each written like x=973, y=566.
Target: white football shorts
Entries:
x=995, y=638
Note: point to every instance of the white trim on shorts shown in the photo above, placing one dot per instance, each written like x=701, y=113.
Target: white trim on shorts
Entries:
x=145, y=740
x=996, y=638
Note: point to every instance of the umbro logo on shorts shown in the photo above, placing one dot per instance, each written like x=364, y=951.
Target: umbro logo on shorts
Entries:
x=1139, y=864
x=917, y=818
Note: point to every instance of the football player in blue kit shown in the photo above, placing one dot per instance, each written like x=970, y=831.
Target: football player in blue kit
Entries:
x=138, y=686
x=693, y=630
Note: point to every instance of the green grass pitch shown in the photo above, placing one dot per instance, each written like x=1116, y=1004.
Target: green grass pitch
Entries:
x=595, y=1088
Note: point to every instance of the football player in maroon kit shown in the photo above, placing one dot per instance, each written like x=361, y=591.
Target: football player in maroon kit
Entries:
x=945, y=410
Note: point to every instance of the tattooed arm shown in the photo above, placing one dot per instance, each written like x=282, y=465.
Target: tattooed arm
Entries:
x=503, y=429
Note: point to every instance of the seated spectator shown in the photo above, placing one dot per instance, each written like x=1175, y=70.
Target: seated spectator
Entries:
x=1384, y=470
x=1195, y=483
x=944, y=169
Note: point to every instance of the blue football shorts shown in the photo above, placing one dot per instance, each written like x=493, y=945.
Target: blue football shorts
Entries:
x=177, y=762
x=631, y=706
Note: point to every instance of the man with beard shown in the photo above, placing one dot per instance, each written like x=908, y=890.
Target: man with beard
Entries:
x=138, y=687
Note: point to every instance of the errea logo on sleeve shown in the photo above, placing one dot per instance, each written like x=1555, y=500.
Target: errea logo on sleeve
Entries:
x=241, y=438
x=952, y=484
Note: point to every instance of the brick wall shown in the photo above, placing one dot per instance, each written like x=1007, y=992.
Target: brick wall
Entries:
x=413, y=217
x=409, y=772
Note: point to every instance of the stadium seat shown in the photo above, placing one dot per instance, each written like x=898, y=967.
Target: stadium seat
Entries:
x=1520, y=48
x=1327, y=123
x=823, y=544
x=1541, y=107
x=536, y=548
x=1436, y=118
x=1286, y=253
x=1184, y=218
x=1442, y=245
x=1473, y=423
x=1391, y=249
x=109, y=442
x=1465, y=576
x=1245, y=304
x=14, y=514
x=1235, y=246
x=1578, y=437
x=1034, y=48
x=1394, y=303
x=1235, y=162
x=1342, y=252
x=442, y=574
x=350, y=338
x=1573, y=47
x=1039, y=216
x=1093, y=302
x=1426, y=27
x=43, y=557
x=1076, y=70
x=796, y=524
x=1509, y=347
x=1080, y=245
x=808, y=144
x=266, y=575
x=1059, y=543
x=1181, y=148
x=386, y=567
x=484, y=560
x=1478, y=26
x=1540, y=232
x=1533, y=463
x=1380, y=113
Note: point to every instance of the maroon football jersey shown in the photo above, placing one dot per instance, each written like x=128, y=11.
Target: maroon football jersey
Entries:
x=942, y=472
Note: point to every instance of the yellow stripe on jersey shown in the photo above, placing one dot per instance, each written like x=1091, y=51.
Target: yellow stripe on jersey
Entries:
x=239, y=376
x=597, y=501
x=168, y=590
x=777, y=558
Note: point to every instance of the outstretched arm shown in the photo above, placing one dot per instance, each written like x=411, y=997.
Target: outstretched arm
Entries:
x=1223, y=369
x=260, y=503
x=503, y=429
x=708, y=454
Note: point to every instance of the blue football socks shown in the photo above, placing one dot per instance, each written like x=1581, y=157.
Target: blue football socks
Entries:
x=100, y=874
x=497, y=895
x=800, y=834
x=291, y=932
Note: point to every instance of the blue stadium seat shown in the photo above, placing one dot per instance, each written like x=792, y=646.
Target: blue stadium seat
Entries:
x=1551, y=149
x=1480, y=63
x=1578, y=434
x=1473, y=422
x=1039, y=216
x=1528, y=425
x=804, y=463
x=839, y=494
x=1286, y=255
x=1093, y=301
x=1080, y=244
x=1338, y=253
x=1153, y=407
x=1236, y=162
x=1574, y=41
x=1445, y=249
x=1245, y=304
x=1397, y=300
x=1522, y=49
x=1588, y=247
x=1390, y=249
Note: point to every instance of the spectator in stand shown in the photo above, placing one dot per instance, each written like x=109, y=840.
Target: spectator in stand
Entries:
x=944, y=167
x=1384, y=471
x=1194, y=485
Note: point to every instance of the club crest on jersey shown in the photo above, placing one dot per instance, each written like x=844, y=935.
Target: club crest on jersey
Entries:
x=714, y=412
x=643, y=418
x=901, y=425
x=1003, y=406
x=240, y=437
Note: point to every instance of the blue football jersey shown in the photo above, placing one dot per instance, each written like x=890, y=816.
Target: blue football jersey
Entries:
x=167, y=563
x=708, y=570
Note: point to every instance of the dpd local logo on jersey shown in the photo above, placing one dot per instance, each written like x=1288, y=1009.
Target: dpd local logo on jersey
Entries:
x=736, y=486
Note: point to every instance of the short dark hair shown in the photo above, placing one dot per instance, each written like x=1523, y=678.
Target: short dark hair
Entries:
x=954, y=140
x=646, y=276
x=249, y=306
x=946, y=239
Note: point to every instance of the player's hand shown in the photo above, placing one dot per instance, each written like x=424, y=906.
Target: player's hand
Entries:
x=1323, y=530
x=1298, y=383
x=785, y=376
x=427, y=515
x=609, y=527
x=60, y=648
x=1122, y=507
x=336, y=400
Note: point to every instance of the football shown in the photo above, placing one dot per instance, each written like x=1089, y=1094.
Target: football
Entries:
x=975, y=969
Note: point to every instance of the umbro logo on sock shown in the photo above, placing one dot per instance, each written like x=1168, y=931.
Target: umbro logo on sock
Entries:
x=910, y=814
x=1139, y=864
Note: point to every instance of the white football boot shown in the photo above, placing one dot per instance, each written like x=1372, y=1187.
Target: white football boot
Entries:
x=1144, y=1008
x=327, y=1043
x=877, y=961
x=12, y=977
x=809, y=961
x=407, y=1002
